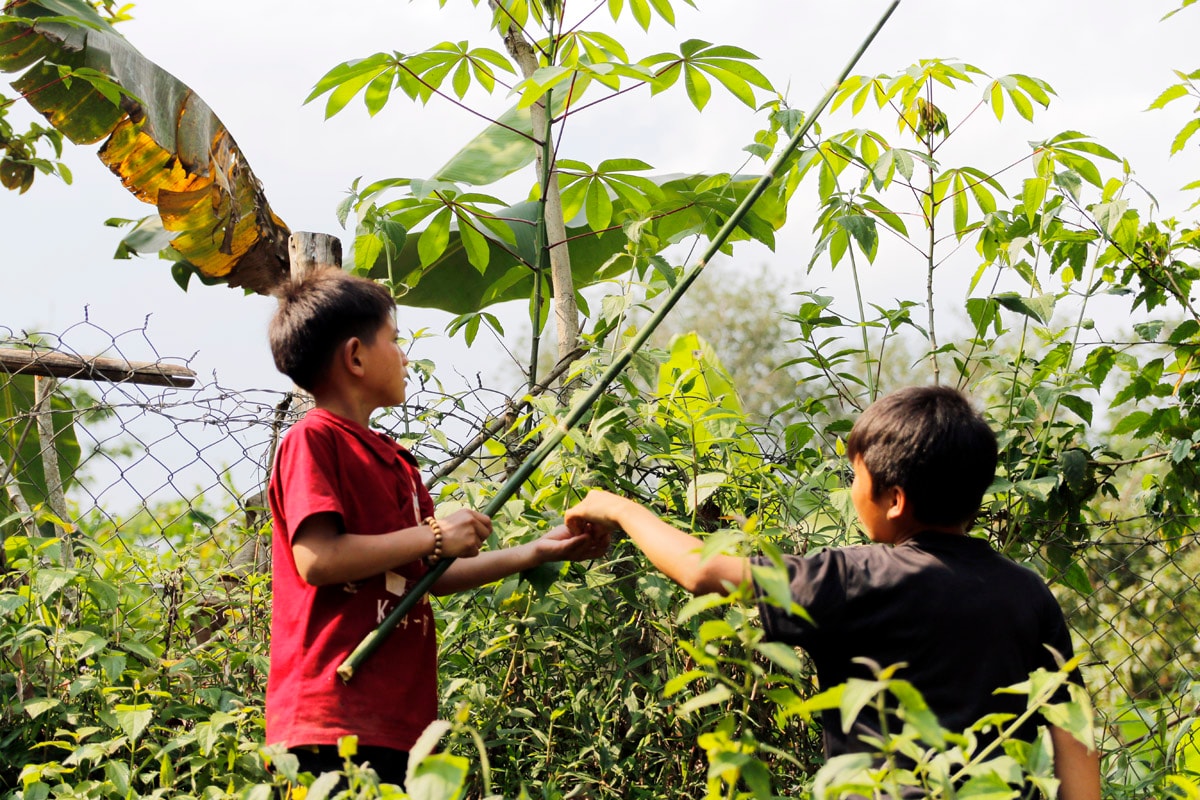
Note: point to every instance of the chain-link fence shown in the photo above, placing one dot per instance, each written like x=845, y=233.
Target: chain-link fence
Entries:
x=115, y=451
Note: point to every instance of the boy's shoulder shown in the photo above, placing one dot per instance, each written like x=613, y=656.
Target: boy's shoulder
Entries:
x=928, y=551
x=323, y=430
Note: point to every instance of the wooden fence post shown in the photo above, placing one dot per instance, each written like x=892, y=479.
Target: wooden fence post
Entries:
x=308, y=252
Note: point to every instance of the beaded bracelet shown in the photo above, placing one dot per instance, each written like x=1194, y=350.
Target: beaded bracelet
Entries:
x=436, y=555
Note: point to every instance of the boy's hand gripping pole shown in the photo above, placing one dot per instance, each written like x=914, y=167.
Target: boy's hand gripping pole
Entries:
x=372, y=640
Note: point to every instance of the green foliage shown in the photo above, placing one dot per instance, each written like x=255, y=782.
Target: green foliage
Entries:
x=609, y=681
x=130, y=686
x=21, y=447
x=464, y=258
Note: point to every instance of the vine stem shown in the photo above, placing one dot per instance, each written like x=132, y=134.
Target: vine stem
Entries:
x=583, y=403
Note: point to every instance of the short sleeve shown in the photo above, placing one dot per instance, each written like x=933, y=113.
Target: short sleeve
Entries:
x=817, y=584
x=306, y=477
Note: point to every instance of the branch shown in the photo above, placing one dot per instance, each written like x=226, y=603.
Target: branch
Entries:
x=496, y=426
x=464, y=106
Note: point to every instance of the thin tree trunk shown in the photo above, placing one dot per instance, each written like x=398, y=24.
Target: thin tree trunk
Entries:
x=930, y=266
x=55, y=498
x=566, y=312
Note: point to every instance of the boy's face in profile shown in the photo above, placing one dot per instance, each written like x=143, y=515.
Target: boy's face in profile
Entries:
x=872, y=511
x=385, y=376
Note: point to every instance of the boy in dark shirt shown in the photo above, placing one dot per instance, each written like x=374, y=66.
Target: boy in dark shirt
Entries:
x=964, y=620
x=354, y=529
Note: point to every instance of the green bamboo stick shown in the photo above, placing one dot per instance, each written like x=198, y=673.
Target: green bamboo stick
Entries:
x=372, y=640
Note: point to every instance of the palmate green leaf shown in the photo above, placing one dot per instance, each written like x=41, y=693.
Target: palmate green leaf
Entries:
x=380, y=72
x=862, y=228
x=641, y=13
x=699, y=90
x=736, y=85
x=1170, y=93
x=349, y=71
x=664, y=9
x=452, y=284
x=1185, y=133
x=432, y=241
x=502, y=148
x=848, y=89
x=367, y=248
x=378, y=92
x=1033, y=195
x=959, y=195
x=539, y=83
x=475, y=245
x=599, y=46
x=599, y=207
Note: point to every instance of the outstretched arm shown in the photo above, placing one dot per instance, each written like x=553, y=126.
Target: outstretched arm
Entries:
x=1076, y=766
x=675, y=553
x=325, y=554
x=559, y=544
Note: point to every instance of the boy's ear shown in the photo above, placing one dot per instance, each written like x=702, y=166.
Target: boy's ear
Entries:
x=897, y=502
x=351, y=356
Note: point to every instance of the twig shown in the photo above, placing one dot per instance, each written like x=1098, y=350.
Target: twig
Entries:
x=492, y=429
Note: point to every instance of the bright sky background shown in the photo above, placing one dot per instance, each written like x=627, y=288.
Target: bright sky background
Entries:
x=255, y=61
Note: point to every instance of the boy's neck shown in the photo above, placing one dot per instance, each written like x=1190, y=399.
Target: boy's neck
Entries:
x=920, y=527
x=344, y=404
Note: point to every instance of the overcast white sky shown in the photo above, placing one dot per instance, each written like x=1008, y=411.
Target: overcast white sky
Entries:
x=254, y=61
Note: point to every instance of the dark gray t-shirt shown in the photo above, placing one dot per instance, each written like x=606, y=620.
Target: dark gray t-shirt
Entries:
x=964, y=619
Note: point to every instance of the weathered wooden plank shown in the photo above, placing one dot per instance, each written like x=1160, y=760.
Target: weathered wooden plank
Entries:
x=59, y=365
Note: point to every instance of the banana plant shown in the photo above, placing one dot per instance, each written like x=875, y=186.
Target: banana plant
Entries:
x=159, y=138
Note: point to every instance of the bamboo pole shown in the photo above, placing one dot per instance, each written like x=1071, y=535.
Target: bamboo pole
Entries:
x=372, y=640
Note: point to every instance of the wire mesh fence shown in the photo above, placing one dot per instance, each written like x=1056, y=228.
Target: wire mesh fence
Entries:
x=172, y=479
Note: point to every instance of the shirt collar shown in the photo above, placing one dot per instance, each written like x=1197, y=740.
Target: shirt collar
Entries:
x=382, y=446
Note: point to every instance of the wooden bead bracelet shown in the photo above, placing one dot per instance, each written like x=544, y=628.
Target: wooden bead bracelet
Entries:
x=436, y=555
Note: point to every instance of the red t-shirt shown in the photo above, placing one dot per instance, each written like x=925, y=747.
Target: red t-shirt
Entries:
x=327, y=463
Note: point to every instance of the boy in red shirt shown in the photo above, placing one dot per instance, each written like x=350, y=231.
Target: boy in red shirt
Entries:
x=963, y=620
x=354, y=528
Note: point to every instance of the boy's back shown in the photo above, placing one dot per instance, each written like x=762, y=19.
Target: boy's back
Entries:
x=964, y=620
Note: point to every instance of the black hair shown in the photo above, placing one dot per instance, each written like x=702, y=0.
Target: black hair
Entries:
x=320, y=312
x=930, y=442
